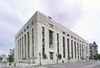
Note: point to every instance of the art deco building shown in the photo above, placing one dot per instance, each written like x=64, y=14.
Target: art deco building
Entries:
x=42, y=40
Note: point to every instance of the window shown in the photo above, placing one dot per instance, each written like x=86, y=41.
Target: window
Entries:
x=22, y=47
x=75, y=48
x=71, y=36
x=28, y=27
x=68, y=35
x=28, y=43
x=57, y=43
x=80, y=49
x=51, y=25
x=68, y=46
x=51, y=55
x=72, y=47
x=50, y=39
x=43, y=41
x=63, y=32
x=32, y=23
x=49, y=17
x=63, y=47
x=32, y=42
x=24, y=30
x=74, y=38
x=18, y=49
x=21, y=32
x=25, y=44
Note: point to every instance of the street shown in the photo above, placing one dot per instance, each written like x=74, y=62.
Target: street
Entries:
x=88, y=64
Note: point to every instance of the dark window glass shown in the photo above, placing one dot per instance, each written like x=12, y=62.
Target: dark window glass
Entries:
x=75, y=48
x=50, y=39
x=80, y=50
x=32, y=42
x=68, y=35
x=22, y=47
x=25, y=44
x=57, y=43
x=68, y=47
x=63, y=47
x=28, y=43
x=43, y=41
x=72, y=47
x=51, y=55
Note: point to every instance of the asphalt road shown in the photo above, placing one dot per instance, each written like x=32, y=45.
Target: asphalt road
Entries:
x=88, y=64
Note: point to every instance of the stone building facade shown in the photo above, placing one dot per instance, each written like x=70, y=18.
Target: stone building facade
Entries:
x=41, y=40
x=93, y=49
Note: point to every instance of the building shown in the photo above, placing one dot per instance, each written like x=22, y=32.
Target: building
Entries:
x=41, y=40
x=12, y=52
x=93, y=49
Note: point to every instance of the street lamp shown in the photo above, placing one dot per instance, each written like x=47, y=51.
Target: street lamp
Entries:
x=40, y=57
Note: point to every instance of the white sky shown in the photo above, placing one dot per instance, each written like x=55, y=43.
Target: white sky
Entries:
x=80, y=16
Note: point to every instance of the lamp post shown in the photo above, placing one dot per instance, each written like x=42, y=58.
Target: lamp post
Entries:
x=40, y=57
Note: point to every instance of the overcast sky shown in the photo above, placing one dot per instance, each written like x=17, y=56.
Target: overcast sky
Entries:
x=80, y=16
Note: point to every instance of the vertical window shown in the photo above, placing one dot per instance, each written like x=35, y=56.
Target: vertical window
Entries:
x=75, y=48
x=43, y=41
x=57, y=43
x=25, y=44
x=68, y=46
x=22, y=47
x=63, y=47
x=72, y=47
x=18, y=48
x=50, y=39
x=51, y=55
x=32, y=42
x=28, y=43
x=80, y=50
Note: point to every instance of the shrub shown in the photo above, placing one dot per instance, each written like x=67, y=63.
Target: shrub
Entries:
x=44, y=56
x=59, y=56
x=69, y=58
x=82, y=58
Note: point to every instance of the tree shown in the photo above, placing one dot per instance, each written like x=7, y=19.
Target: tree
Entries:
x=97, y=57
x=82, y=58
x=10, y=58
x=90, y=57
x=69, y=58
